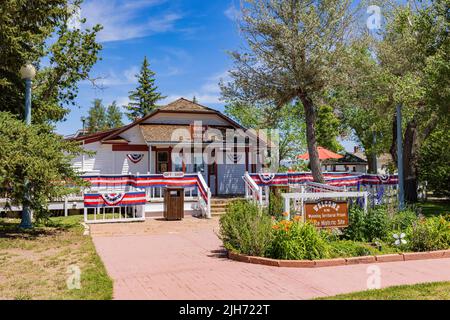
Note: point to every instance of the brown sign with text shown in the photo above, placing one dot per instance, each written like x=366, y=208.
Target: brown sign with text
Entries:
x=327, y=213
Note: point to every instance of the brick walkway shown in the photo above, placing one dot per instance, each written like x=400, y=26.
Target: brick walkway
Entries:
x=182, y=260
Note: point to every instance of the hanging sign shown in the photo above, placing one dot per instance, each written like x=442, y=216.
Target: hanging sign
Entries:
x=178, y=174
x=327, y=213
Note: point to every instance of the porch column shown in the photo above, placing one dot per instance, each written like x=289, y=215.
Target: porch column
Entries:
x=149, y=159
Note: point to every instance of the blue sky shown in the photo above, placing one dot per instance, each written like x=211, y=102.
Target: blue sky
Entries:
x=186, y=43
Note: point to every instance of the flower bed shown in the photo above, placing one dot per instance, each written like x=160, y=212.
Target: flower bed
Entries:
x=378, y=236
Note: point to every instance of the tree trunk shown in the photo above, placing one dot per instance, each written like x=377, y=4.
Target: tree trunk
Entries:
x=410, y=162
x=371, y=163
x=393, y=148
x=310, y=115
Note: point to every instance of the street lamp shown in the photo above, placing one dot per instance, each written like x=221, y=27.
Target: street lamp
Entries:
x=27, y=72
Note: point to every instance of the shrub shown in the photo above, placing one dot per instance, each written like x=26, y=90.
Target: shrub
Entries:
x=245, y=228
x=347, y=248
x=367, y=227
x=276, y=205
x=402, y=220
x=428, y=234
x=296, y=241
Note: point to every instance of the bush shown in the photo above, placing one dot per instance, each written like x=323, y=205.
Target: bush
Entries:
x=347, y=248
x=297, y=241
x=367, y=227
x=276, y=205
x=429, y=234
x=403, y=220
x=246, y=229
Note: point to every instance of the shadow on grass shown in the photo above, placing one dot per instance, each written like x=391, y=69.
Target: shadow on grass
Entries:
x=9, y=228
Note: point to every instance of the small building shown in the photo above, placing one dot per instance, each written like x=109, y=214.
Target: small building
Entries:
x=182, y=136
x=348, y=163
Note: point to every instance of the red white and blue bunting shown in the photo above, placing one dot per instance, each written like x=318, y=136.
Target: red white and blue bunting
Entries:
x=135, y=158
x=97, y=200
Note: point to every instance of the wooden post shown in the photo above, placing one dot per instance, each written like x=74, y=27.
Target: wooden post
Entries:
x=287, y=207
x=66, y=210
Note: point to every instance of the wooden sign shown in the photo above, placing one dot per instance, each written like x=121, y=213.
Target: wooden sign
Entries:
x=327, y=213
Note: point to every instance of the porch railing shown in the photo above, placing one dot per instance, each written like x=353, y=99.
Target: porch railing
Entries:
x=204, y=196
x=252, y=190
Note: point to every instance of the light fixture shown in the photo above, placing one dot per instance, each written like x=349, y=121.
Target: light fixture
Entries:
x=28, y=71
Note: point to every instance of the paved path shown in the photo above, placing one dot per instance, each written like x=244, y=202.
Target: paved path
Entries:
x=183, y=260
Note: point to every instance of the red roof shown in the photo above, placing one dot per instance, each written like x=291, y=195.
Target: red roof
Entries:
x=323, y=154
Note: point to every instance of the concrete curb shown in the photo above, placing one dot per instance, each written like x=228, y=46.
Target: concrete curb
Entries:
x=340, y=261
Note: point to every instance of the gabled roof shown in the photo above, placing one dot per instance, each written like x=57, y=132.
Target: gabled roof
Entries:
x=349, y=158
x=177, y=106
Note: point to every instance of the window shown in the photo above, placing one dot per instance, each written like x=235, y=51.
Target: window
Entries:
x=162, y=162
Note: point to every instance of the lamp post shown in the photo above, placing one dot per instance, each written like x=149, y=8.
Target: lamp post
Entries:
x=27, y=72
x=401, y=190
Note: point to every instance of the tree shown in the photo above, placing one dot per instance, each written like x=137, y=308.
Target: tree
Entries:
x=415, y=55
x=39, y=30
x=194, y=99
x=327, y=128
x=97, y=119
x=289, y=120
x=293, y=49
x=434, y=161
x=143, y=100
x=41, y=156
x=114, y=116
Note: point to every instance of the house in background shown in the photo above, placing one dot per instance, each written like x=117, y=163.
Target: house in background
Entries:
x=348, y=163
x=150, y=145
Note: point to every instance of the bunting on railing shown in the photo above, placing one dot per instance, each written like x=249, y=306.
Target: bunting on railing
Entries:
x=334, y=179
x=98, y=200
x=148, y=181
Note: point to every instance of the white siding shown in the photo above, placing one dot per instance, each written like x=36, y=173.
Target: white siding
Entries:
x=100, y=162
x=230, y=178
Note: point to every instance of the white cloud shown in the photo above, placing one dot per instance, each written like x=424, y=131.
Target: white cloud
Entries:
x=232, y=13
x=124, y=20
x=128, y=76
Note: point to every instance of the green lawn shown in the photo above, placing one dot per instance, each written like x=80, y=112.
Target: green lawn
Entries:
x=34, y=264
x=425, y=291
x=434, y=208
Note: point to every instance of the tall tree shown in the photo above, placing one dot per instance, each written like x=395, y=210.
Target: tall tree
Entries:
x=143, y=100
x=293, y=49
x=328, y=128
x=97, y=119
x=415, y=54
x=114, y=116
x=40, y=30
x=41, y=156
x=289, y=120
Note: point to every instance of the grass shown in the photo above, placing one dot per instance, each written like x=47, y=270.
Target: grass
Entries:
x=34, y=264
x=434, y=208
x=424, y=291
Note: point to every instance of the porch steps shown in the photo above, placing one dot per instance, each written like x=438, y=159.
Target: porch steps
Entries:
x=219, y=205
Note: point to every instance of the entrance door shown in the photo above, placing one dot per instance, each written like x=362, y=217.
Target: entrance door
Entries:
x=162, y=162
x=212, y=178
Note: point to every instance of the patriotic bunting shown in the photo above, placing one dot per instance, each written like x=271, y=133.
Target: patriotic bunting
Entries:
x=97, y=200
x=135, y=158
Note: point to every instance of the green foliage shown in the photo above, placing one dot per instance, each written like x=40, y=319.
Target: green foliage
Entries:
x=101, y=118
x=37, y=31
x=276, y=205
x=298, y=241
x=403, y=220
x=245, y=228
x=143, y=100
x=114, y=116
x=327, y=129
x=429, y=234
x=434, y=162
x=348, y=248
x=35, y=153
x=367, y=227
